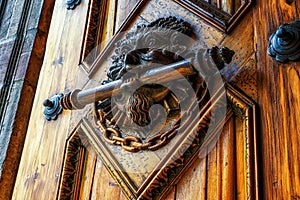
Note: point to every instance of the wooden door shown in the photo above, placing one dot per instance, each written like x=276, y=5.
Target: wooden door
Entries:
x=257, y=155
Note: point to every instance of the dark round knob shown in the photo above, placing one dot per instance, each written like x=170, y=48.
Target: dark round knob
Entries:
x=48, y=103
x=52, y=107
x=284, y=34
x=284, y=44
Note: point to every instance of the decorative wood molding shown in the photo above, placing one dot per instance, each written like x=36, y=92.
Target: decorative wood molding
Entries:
x=284, y=44
x=139, y=8
x=150, y=174
x=221, y=14
x=94, y=32
x=172, y=164
x=165, y=173
x=96, y=20
x=244, y=108
x=73, y=165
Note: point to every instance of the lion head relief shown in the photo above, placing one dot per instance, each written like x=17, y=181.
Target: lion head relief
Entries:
x=162, y=42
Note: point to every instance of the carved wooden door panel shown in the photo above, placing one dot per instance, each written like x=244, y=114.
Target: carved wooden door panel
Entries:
x=71, y=157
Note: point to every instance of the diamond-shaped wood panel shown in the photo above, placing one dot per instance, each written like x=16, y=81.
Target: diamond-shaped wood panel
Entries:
x=150, y=174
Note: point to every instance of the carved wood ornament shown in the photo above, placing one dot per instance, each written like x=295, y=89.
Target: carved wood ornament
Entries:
x=156, y=100
x=72, y=170
x=165, y=73
x=132, y=107
x=162, y=100
x=221, y=14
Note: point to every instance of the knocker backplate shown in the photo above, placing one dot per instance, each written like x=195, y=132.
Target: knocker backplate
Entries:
x=143, y=167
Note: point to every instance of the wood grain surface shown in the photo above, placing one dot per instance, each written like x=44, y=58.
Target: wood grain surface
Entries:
x=41, y=164
x=279, y=101
x=219, y=175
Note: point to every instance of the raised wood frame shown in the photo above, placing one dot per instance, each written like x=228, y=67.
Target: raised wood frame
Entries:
x=94, y=32
x=225, y=26
x=173, y=165
x=73, y=166
x=177, y=160
x=215, y=16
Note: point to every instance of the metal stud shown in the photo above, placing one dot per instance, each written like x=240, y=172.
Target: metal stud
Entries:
x=284, y=44
x=71, y=4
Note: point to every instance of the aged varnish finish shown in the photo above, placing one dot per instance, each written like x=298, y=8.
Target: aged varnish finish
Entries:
x=257, y=153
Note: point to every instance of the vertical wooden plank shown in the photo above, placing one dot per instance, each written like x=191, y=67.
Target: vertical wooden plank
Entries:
x=237, y=4
x=109, y=24
x=193, y=183
x=87, y=175
x=219, y=4
x=241, y=42
x=214, y=176
x=25, y=179
x=241, y=189
x=123, y=9
x=40, y=167
x=227, y=152
x=20, y=124
x=221, y=166
x=221, y=183
x=104, y=187
x=228, y=6
x=289, y=90
x=172, y=194
x=277, y=101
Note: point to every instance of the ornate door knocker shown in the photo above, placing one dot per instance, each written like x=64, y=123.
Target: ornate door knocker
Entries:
x=154, y=76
